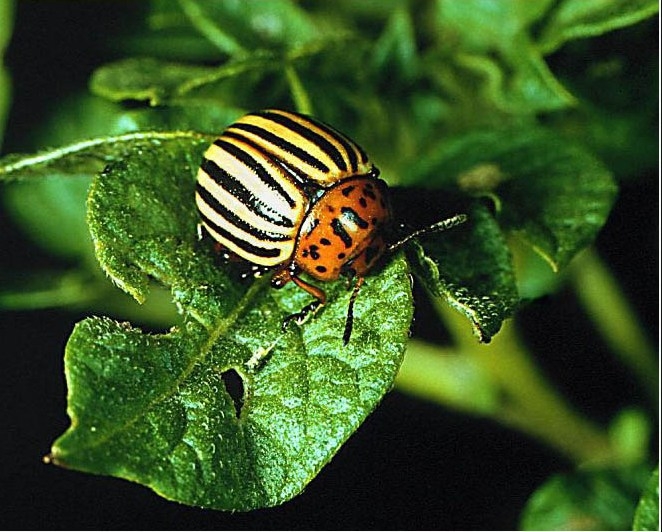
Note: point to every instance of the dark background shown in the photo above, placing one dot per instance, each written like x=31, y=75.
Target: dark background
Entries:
x=412, y=465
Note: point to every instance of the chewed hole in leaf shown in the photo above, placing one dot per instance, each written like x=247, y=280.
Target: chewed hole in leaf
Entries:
x=234, y=385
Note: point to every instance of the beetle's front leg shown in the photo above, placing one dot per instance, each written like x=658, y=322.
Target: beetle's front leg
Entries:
x=300, y=317
x=284, y=276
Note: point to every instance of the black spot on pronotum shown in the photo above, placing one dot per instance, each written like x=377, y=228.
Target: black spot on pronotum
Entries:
x=363, y=202
x=340, y=232
x=234, y=385
x=368, y=192
x=347, y=190
x=354, y=217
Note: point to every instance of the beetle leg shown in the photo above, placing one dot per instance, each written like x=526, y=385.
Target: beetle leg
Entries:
x=317, y=293
x=349, y=322
x=349, y=274
x=280, y=278
x=314, y=291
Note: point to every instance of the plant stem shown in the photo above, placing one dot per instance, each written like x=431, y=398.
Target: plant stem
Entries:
x=442, y=375
x=297, y=91
x=519, y=396
x=208, y=29
x=615, y=319
x=60, y=289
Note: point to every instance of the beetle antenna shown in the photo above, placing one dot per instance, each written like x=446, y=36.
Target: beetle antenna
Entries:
x=349, y=322
x=437, y=227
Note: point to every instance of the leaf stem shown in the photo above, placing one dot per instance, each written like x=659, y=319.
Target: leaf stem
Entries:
x=75, y=289
x=528, y=401
x=84, y=145
x=440, y=374
x=514, y=392
x=61, y=289
x=209, y=30
x=604, y=302
x=298, y=91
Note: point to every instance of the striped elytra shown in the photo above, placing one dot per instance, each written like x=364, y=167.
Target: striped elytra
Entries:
x=290, y=194
x=256, y=180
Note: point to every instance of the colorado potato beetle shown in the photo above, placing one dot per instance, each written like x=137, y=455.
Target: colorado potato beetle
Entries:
x=290, y=194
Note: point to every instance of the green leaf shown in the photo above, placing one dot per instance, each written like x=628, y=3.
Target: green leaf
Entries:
x=160, y=82
x=575, y=19
x=647, y=514
x=629, y=433
x=495, y=44
x=204, y=116
x=6, y=23
x=83, y=158
x=485, y=25
x=235, y=27
x=470, y=267
x=395, y=52
x=552, y=194
x=84, y=116
x=155, y=408
x=144, y=79
x=529, y=88
x=231, y=84
x=533, y=88
x=133, y=243
x=585, y=500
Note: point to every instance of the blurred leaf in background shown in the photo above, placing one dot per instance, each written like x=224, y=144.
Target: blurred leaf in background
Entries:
x=6, y=23
x=647, y=514
x=593, y=500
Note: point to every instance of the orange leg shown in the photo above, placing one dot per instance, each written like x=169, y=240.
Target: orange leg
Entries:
x=314, y=291
x=283, y=277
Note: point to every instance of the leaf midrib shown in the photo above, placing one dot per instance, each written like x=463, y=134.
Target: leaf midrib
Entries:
x=85, y=145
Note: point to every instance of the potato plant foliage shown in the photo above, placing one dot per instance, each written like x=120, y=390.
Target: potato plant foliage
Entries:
x=217, y=405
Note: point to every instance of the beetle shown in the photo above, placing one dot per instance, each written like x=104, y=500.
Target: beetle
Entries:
x=292, y=195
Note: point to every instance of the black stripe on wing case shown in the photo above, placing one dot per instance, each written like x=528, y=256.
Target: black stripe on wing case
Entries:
x=233, y=219
x=257, y=167
x=284, y=145
x=312, y=136
x=245, y=196
x=242, y=244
